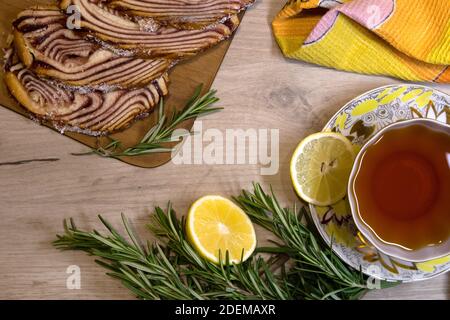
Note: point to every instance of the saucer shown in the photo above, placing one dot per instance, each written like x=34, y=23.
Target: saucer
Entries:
x=359, y=120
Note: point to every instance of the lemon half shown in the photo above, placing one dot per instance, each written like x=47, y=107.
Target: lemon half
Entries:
x=215, y=224
x=320, y=167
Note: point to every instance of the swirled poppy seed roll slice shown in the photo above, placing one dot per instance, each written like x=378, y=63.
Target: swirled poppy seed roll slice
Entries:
x=47, y=47
x=146, y=37
x=185, y=14
x=88, y=111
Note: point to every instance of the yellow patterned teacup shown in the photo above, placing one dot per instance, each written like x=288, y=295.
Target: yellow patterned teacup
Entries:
x=399, y=190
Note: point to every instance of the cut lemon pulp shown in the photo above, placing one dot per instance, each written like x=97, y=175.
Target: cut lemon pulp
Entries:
x=321, y=166
x=215, y=224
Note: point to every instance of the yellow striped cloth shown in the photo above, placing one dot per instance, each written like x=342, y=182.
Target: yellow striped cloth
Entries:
x=407, y=39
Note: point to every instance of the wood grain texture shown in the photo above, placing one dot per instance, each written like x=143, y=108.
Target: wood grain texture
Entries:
x=258, y=89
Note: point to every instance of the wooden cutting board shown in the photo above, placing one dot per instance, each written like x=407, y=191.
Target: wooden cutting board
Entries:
x=184, y=78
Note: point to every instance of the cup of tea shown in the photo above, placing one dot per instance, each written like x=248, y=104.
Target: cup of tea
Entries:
x=399, y=190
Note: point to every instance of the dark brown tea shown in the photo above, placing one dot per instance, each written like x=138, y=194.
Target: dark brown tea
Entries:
x=403, y=186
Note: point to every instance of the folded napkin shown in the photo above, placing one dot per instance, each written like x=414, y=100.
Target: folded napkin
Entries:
x=407, y=39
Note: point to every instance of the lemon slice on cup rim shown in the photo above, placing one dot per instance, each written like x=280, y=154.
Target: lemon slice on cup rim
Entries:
x=320, y=168
x=215, y=225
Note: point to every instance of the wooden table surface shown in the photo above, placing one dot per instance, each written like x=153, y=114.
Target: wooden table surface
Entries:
x=258, y=89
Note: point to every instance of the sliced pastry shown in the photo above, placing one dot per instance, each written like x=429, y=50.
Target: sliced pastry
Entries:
x=185, y=14
x=76, y=109
x=46, y=46
x=145, y=36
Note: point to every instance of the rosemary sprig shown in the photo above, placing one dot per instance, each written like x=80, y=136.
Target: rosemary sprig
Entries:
x=145, y=270
x=172, y=269
x=316, y=266
x=163, y=132
x=248, y=280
